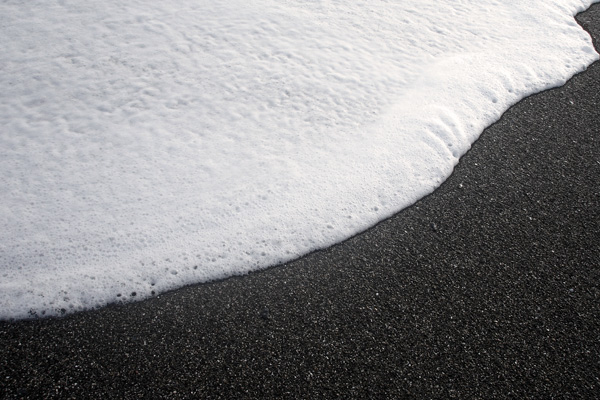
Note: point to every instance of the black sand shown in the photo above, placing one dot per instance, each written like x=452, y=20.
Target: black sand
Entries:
x=489, y=288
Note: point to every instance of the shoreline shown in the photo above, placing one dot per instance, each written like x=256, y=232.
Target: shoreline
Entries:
x=489, y=287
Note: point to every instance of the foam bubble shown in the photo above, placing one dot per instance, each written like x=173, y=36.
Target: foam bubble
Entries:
x=146, y=146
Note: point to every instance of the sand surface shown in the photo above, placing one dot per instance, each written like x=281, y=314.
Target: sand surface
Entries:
x=488, y=288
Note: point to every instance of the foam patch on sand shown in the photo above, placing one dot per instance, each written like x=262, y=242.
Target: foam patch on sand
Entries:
x=145, y=145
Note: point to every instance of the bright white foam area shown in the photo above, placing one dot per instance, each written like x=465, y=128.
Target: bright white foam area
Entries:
x=145, y=146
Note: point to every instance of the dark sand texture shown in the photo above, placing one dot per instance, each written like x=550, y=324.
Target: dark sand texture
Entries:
x=489, y=288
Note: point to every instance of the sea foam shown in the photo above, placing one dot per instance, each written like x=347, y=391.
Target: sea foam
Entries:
x=145, y=145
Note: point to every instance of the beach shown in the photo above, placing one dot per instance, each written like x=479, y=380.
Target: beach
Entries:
x=487, y=288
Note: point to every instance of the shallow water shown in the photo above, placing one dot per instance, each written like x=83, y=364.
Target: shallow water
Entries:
x=148, y=146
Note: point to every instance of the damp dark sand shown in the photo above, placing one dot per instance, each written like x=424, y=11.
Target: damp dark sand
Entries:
x=488, y=288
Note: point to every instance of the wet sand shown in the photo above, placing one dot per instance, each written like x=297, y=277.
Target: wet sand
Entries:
x=488, y=288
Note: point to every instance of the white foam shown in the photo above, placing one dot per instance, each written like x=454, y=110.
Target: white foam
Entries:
x=145, y=146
